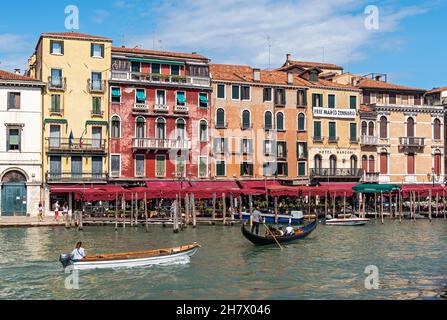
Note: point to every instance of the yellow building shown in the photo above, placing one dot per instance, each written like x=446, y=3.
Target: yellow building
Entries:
x=75, y=68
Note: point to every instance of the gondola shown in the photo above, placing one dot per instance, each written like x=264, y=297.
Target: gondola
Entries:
x=300, y=233
x=131, y=259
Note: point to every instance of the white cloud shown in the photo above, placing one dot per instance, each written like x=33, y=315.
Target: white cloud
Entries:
x=235, y=31
x=99, y=16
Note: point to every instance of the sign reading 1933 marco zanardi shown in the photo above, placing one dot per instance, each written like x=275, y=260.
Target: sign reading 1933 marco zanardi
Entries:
x=335, y=113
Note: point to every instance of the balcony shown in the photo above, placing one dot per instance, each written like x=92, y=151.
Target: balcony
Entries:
x=181, y=109
x=76, y=146
x=411, y=144
x=57, y=84
x=161, y=78
x=336, y=173
x=317, y=139
x=56, y=112
x=161, y=108
x=141, y=107
x=333, y=139
x=369, y=140
x=371, y=177
x=68, y=176
x=97, y=113
x=160, y=144
x=96, y=86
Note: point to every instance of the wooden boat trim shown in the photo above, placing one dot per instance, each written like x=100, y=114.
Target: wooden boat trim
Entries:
x=140, y=254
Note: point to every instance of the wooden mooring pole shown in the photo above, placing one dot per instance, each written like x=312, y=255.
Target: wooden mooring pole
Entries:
x=381, y=207
x=176, y=214
x=224, y=209
x=194, y=213
x=116, y=212
x=145, y=212
x=276, y=209
x=214, y=208
x=429, y=204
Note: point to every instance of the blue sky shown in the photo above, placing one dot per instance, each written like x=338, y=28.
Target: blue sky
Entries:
x=409, y=44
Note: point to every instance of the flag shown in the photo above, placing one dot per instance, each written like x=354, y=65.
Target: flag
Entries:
x=81, y=142
x=70, y=139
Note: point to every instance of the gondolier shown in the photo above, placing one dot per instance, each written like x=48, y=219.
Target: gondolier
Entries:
x=257, y=219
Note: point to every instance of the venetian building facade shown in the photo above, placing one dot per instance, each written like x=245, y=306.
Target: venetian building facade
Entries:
x=259, y=128
x=20, y=145
x=75, y=68
x=409, y=134
x=159, y=115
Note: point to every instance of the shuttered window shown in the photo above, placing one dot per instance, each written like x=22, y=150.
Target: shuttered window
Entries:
x=221, y=91
x=14, y=100
x=331, y=101
x=353, y=131
x=55, y=103
x=220, y=168
x=332, y=131
x=302, y=150
x=383, y=127
x=160, y=166
x=301, y=169
x=383, y=163
x=268, y=121
x=301, y=122
x=410, y=163
x=267, y=94
x=353, y=102
x=317, y=129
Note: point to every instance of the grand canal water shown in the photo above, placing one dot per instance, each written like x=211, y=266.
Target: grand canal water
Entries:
x=330, y=264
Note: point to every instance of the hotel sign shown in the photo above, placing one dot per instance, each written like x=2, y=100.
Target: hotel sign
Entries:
x=335, y=113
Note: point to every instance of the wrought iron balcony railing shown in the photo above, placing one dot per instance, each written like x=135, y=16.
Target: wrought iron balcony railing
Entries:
x=57, y=84
x=161, y=144
x=56, y=111
x=96, y=86
x=97, y=113
x=73, y=176
x=332, y=172
x=77, y=145
x=161, y=78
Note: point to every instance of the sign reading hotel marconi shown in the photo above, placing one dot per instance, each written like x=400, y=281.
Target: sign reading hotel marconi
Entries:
x=335, y=113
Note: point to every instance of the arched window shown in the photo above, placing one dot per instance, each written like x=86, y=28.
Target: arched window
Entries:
x=116, y=127
x=220, y=118
x=437, y=129
x=180, y=126
x=365, y=164
x=280, y=121
x=383, y=128
x=301, y=122
x=410, y=127
x=268, y=121
x=371, y=129
x=14, y=177
x=203, y=127
x=332, y=164
x=354, y=164
x=372, y=164
x=364, y=128
x=318, y=164
x=437, y=163
x=246, y=119
x=160, y=129
x=140, y=131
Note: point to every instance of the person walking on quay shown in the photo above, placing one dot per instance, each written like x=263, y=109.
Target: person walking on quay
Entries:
x=56, y=211
x=40, y=214
x=65, y=212
x=257, y=219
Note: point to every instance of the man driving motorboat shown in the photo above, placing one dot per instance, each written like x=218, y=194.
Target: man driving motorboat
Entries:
x=78, y=253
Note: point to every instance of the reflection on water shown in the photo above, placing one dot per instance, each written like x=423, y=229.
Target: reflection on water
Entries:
x=329, y=264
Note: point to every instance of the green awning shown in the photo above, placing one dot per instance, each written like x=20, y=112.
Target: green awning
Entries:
x=63, y=121
x=116, y=92
x=203, y=98
x=181, y=97
x=96, y=123
x=141, y=95
x=174, y=63
x=375, y=188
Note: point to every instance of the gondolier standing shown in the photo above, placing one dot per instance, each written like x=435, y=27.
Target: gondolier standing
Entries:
x=257, y=219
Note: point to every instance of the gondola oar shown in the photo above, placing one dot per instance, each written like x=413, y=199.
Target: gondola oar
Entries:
x=272, y=235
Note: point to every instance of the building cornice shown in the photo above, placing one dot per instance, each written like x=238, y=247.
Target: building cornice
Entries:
x=409, y=109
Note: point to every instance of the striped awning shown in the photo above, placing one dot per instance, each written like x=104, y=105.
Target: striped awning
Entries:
x=48, y=120
x=168, y=62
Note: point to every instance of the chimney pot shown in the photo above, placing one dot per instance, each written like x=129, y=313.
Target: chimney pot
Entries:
x=257, y=74
x=17, y=71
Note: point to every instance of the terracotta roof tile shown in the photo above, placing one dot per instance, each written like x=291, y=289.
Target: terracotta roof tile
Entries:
x=437, y=90
x=159, y=53
x=238, y=73
x=310, y=64
x=9, y=76
x=74, y=35
x=374, y=84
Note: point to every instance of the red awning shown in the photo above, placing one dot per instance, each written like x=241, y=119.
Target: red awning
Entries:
x=338, y=189
x=69, y=188
x=423, y=189
x=258, y=184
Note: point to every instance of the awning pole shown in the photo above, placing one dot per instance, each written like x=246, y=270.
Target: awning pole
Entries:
x=334, y=208
x=250, y=198
x=214, y=207
x=325, y=205
x=381, y=206
x=276, y=210
x=187, y=209
x=401, y=205
x=131, y=210
x=241, y=218
x=443, y=202
x=375, y=206
x=124, y=210
x=116, y=213
x=136, y=209
x=145, y=212
x=194, y=213
x=224, y=209
x=437, y=204
x=232, y=207
x=344, y=205
x=429, y=204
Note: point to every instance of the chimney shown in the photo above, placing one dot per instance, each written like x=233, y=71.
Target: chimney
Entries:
x=18, y=71
x=256, y=74
x=378, y=77
x=288, y=57
x=289, y=78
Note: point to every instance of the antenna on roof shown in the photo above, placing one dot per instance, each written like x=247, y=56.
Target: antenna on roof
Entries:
x=269, y=43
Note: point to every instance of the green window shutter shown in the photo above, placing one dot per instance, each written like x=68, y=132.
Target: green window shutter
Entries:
x=286, y=169
x=91, y=49
x=53, y=102
x=301, y=169
x=283, y=97
x=305, y=97
x=285, y=149
x=181, y=99
x=353, y=102
x=353, y=131
x=102, y=50
x=116, y=92
x=306, y=152
x=235, y=92
x=332, y=131
x=331, y=101
x=317, y=129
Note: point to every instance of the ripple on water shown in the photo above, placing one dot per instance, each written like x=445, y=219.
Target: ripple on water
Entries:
x=329, y=264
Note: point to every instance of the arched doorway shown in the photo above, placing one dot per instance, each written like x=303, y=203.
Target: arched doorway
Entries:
x=14, y=194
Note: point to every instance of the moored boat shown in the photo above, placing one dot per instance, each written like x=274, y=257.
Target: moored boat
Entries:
x=296, y=217
x=300, y=233
x=131, y=259
x=347, y=222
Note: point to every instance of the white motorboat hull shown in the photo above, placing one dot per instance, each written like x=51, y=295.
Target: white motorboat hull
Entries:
x=347, y=222
x=131, y=263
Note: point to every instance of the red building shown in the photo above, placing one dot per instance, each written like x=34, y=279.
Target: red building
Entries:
x=159, y=115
